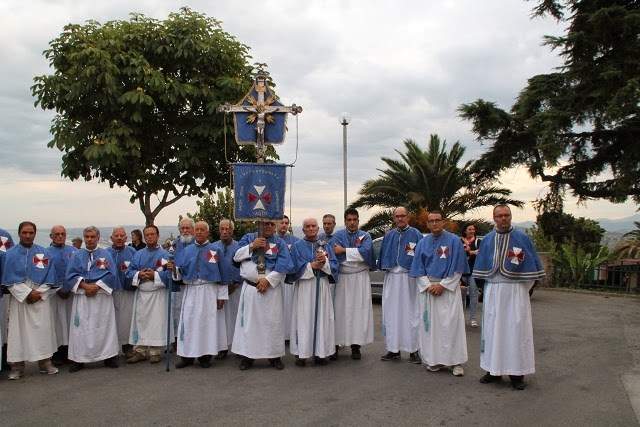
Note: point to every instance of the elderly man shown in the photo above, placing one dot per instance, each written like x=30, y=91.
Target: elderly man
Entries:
x=186, y=229
x=202, y=329
x=149, y=275
x=91, y=276
x=287, y=289
x=122, y=255
x=230, y=274
x=508, y=261
x=259, y=331
x=30, y=278
x=400, y=302
x=61, y=255
x=439, y=263
x=5, y=243
x=312, y=323
x=354, y=313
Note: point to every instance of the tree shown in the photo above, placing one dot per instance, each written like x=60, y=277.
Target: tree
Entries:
x=427, y=180
x=136, y=104
x=561, y=228
x=629, y=246
x=214, y=210
x=577, y=128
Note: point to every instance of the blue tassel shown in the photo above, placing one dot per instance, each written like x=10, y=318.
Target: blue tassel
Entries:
x=182, y=332
x=135, y=336
x=481, y=346
x=384, y=330
x=76, y=320
x=425, y=320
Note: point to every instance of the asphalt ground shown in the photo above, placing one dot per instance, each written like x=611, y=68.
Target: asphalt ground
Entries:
x=587, y=373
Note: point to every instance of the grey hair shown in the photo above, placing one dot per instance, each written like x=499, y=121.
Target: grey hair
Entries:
x=193, y=223
x=118, y=227
x=91, y=228
x=309, y=219
x=231, y=224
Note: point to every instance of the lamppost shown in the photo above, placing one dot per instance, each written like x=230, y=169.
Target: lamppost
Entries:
x=344, y=119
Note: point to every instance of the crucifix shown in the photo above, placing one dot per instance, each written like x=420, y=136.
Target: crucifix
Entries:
x=260, y=119
x=262, y=112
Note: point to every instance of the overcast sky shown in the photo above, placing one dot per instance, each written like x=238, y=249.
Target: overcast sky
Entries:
x=399, y=68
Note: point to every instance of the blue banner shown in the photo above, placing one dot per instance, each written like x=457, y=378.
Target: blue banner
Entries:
x=275, y=122
x=259, y=190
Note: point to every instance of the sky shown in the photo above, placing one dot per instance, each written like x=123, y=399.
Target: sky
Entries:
x=400, y=69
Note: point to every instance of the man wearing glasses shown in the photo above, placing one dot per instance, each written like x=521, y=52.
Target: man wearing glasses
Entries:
x=509, y=263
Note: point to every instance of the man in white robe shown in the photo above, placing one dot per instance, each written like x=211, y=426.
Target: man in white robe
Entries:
x=91, y=277
x=122, y=255
x=509, y=263
x=29, y=276
x=62, y=303
x=312, y=320
x=231, y=278
x=201, y=330
x=353, y=309
x=259, y=332
x=439, y=263
x=400, y=300
x=149, y=275
x=185, y=227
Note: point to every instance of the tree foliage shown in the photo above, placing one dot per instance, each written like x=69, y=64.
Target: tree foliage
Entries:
x=576, y=128
x=213, y=210
x=136, y=104
x=629, y=246
x=561, y=228
x=428, y=180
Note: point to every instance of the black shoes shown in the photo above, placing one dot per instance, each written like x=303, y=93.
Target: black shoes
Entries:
x=246, y=363
x=111, y=363
x=488, y=378
x=355, y=352
x=277, y=363
x=184, y=362
x=517, y=382
x=415, y=358
x=334, y=356
x=222, y=354
x=390, y=356
x=76, y=367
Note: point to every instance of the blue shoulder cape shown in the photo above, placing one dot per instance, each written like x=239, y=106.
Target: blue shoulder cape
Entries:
x=276, y=253
x=439, y=257
x=92, y=266
x=358, y=239
x=229, y=272
x=398, y=248
x=122, y=259
x=304, y=252
x=34, y=263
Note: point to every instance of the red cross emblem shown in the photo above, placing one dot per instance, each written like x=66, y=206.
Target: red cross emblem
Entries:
x=270, y=249
x=102, y=263
x=124, y=266
x=360, y=239
x=4, y=243
x=160, y=264
x=40, y=261
x=409, y=248
x=516, y=255
x=212, y=256
x=443, y=251
x=259, y=196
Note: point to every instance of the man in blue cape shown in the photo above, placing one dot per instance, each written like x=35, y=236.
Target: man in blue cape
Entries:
x=316, y=267
x=400, y=300
x=353, y=309
x=29, y=276
x=508, y=261
x=259, y=332
x=438, y=264
x=91, y=276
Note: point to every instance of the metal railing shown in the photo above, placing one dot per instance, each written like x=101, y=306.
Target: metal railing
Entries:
x=616, y=276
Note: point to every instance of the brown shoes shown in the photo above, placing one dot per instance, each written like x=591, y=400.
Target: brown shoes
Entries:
x=139, y=357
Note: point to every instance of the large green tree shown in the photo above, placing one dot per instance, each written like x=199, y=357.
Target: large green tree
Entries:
x=136, y=104
x=563, y=228
x=629, y=246
x=576, y=128
x=428, y=180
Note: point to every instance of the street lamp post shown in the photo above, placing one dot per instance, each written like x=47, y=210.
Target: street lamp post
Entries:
x=344, y=118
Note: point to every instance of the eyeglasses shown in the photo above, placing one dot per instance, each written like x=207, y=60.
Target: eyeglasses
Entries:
x=502, y=216
x=400, y=216
x=434, y=221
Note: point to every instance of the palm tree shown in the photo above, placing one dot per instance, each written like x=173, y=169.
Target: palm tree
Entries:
x=629, y=246
x=425, y=181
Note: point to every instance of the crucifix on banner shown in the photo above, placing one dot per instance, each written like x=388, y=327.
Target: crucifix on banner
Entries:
x=260, y=119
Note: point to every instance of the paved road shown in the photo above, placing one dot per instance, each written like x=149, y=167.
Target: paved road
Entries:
x=587, y=354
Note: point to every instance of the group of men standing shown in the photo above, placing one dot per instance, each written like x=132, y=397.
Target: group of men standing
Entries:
x=253, y=296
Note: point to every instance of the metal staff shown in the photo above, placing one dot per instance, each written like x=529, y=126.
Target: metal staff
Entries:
x=170, y=286
x=319, y=250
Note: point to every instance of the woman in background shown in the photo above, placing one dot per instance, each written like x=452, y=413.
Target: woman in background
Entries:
x=471, y=244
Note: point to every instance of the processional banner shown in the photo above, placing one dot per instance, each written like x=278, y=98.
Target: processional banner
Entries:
x=259, y=190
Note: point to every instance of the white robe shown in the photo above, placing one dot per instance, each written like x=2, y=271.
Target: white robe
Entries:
x=32, y=335
x=287, y=298
x=353, y=309
x=400, y=311
x=4, y=317
x=92, y=331
x=445, y=342
x=506, y=346
x=149, y=320
x=123, y=304
x=303, y=316
x=231, y=312
x=62, y=309
x=259, y=331
x=202, y=329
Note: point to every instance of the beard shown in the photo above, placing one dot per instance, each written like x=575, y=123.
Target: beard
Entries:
x=186, y=238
